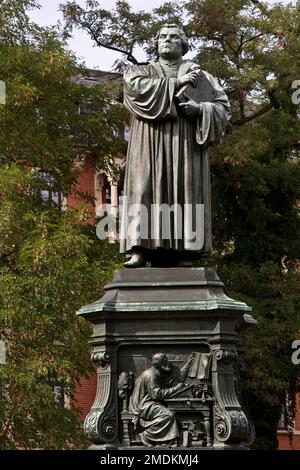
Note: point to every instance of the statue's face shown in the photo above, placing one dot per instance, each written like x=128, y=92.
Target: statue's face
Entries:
x=170, y=43
x=164, y=365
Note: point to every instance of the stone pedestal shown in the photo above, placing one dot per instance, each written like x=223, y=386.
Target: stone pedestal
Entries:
x=176, y=311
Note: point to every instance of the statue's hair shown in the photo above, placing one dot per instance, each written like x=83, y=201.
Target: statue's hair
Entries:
x=159, y=359
x=185, y=43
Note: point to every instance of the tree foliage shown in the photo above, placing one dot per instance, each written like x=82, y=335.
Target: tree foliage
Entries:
x=50, y=261
x=253, y=48
x=44, y=93
x=15, y=25
x=120, y=29
x=49, y=268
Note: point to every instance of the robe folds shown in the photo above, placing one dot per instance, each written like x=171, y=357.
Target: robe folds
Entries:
x=167, y=180
x=159, y=423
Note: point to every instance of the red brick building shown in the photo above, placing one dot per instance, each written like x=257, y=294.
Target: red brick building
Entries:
x=106, y=195
x=285, y=441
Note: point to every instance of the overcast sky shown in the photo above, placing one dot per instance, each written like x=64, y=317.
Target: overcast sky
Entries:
x=94, y=57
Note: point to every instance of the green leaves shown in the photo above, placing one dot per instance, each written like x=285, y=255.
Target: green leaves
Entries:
x=104, y=26
x=121, y=29
x=41, y=123
x=49, y=262
x=49, y=268
x=268, y=374
x=252, y=47
x=14, y=21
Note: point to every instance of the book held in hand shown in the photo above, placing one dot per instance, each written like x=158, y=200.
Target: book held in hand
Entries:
x=202, y=92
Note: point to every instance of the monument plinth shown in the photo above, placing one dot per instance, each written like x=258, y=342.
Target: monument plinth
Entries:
x=166, y=340
x=180, y=312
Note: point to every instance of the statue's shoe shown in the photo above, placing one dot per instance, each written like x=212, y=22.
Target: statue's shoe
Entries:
x=145, y=440
x=137, y=260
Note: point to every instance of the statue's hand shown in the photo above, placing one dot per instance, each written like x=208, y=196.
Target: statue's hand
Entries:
x=190, y=77
x=191, y=358
x=179, y=386
x=191, y=108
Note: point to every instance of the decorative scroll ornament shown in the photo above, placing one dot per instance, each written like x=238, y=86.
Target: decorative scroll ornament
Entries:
x=226, y=355
x=101, y=358
x=222, y=424
x=230, y=422
x=100, y=424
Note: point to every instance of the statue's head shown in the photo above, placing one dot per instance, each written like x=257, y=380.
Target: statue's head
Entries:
x=160, y=361
x=171, y=42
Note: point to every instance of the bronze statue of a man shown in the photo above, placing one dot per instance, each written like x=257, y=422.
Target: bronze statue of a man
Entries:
x=167, y=215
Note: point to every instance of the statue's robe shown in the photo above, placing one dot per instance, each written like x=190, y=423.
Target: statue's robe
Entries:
x=168, y=162
x=158, y=422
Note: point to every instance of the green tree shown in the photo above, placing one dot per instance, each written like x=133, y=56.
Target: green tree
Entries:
x=50, y=266
x=253, y=48
x=51, y=262
x=256, y=188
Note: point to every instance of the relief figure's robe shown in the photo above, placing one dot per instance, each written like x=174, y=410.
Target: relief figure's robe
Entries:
x=158, y=422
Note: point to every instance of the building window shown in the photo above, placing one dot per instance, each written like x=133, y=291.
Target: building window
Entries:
x=59, y=396
x=107, y=204
x=126, y=133
x=47, y=190
x=282, y=422
x=121, y=197
x=287, y=418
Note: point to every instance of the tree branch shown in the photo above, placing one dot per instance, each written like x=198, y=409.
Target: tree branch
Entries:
x=99, y=43
x=242, y=106
x=252, y=38
x=256, y=115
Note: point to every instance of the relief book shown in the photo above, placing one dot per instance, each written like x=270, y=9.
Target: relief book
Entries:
x=199, y=369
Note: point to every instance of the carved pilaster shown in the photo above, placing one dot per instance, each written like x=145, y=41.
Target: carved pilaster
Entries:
x=230, y=422
x=100, y=425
